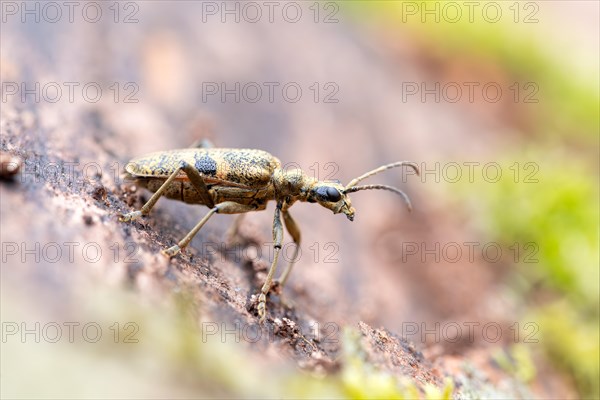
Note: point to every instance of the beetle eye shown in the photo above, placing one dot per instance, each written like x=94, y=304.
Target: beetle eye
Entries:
x=333, y=194
x=328, y=193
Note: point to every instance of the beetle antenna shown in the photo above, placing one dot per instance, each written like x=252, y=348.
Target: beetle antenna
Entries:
x=354, y=181
x=384, y=187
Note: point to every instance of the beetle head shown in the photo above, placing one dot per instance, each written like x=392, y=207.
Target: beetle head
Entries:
x=331, y=195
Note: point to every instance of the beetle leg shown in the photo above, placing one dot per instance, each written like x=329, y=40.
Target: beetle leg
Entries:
x=198, y=183
x=174, y=250
x=150, y=203
x=277, y=238
x=294, y=232
x=195, y=179
x=227, y=207
x=202, y=144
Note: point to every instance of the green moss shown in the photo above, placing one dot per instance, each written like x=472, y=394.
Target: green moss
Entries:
x=435, y=393
x=361, y=380
x=573, y=342
x=517, y=361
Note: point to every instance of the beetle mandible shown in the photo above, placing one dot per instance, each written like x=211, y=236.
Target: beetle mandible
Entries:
x=237, y=181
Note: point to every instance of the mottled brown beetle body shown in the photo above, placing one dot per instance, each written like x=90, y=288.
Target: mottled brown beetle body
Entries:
x=236, y=181
x=240, y=175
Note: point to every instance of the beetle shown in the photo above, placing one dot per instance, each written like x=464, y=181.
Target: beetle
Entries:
x=237, y=181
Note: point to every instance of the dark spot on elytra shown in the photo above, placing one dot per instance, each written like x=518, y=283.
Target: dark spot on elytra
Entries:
x=206, y=165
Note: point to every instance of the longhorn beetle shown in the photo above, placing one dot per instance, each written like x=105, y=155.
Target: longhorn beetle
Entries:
x=237, y=181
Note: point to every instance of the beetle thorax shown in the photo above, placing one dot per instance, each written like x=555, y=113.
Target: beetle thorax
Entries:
x=292, y=183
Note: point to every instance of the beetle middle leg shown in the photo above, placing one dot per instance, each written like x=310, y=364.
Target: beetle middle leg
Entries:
x=194, y=177
x=277, y=239
x=226, y=207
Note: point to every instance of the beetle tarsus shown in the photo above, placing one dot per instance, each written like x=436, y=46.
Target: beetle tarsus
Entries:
x=171, y=251
x=262, y=308
x=130, y=216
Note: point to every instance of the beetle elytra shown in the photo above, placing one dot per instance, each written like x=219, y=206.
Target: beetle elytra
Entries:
x=237, y=181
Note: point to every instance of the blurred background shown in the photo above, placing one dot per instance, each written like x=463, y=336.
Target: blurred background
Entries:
x=497, y=102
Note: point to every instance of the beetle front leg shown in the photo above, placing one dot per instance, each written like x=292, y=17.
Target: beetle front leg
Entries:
x=277, y=239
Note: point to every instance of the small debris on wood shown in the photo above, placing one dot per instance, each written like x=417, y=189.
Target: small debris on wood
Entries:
x=98, y=192
x=9, y=165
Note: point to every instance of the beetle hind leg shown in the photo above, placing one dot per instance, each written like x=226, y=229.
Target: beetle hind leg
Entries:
x=150, y=203
x=196, y=180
